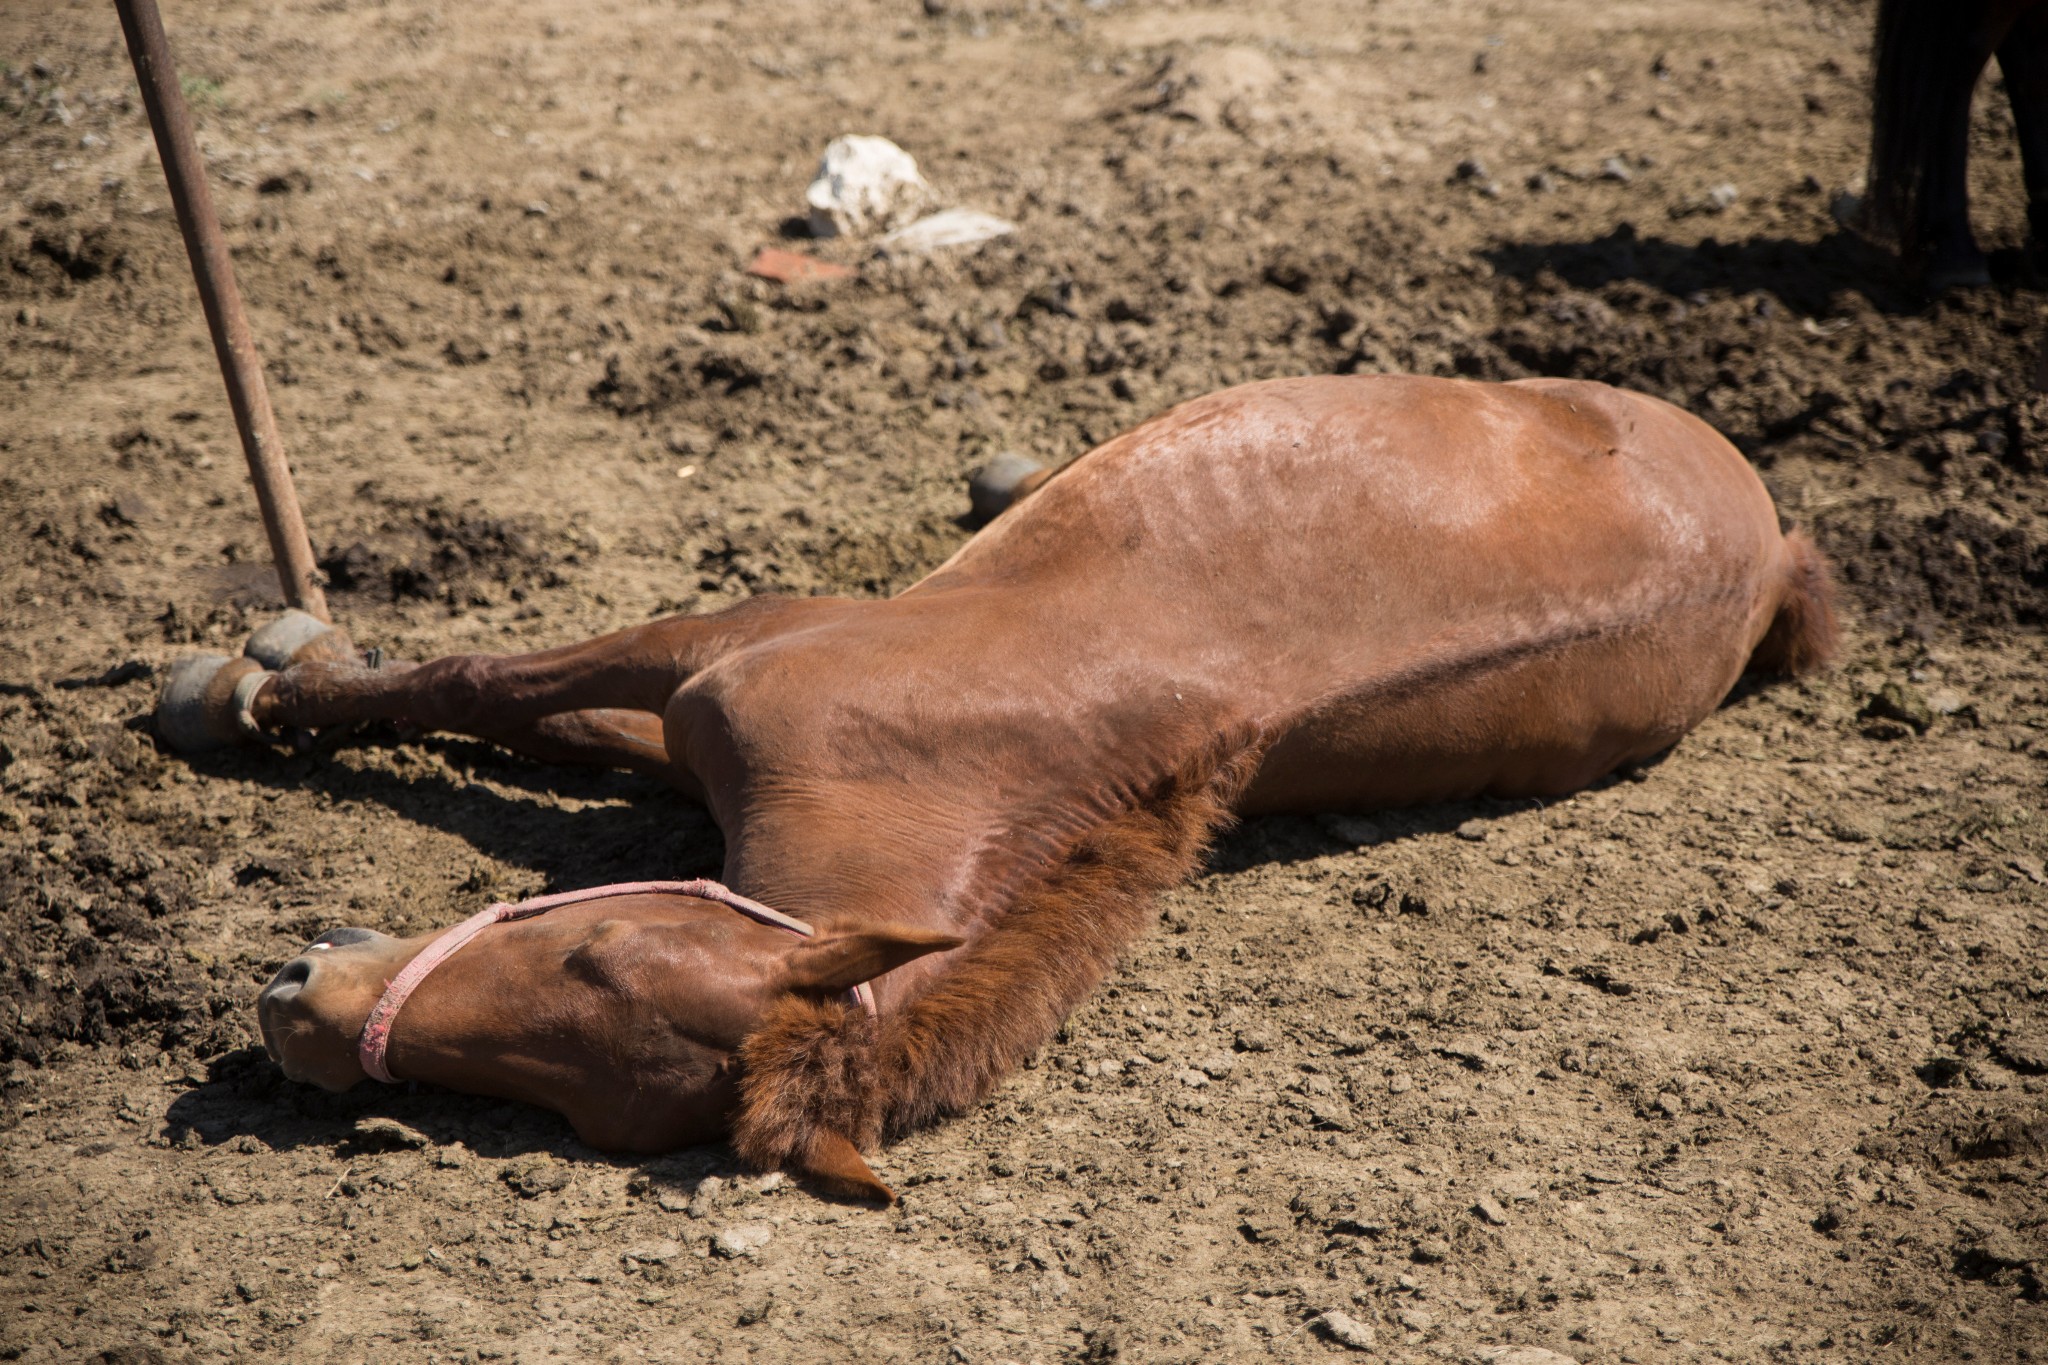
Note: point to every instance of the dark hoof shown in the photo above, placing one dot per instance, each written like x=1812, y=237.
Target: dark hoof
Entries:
x=993, y=487
x=205, y=703
x=1957, y=270
x=298, y=637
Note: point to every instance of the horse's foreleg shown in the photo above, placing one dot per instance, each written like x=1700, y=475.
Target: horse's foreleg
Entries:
x=631, y=740
x=475, y=694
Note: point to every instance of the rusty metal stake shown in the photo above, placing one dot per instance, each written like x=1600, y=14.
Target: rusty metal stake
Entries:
x=214, y=272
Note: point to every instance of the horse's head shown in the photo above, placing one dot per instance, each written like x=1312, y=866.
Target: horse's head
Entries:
x=625, y=1015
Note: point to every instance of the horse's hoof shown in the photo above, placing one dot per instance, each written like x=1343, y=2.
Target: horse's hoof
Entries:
x=993, y=487
x=1961, y=268
x=299, y=637
x=205, y=703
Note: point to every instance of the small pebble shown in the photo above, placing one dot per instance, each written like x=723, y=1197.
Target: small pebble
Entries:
x=1490, y=1211
x=1614, y=168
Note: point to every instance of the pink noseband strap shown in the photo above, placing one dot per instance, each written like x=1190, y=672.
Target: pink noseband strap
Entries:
x=376, y=1035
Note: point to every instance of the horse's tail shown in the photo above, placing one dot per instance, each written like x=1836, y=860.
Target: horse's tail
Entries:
x=1908, y=85
x=1803, y=634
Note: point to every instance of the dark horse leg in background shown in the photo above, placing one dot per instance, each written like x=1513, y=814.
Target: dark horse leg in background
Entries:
x=2023, y=59
x=1928, y=58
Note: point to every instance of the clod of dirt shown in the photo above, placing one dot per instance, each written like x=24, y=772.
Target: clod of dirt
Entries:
x=743, y=1239
x=1939, y=1073
x=1265, y=1227
x=433, y=552
x=378, y=1134
x=1345, y=1330
x=1954, y=566
x=705, y=1197
x=652, y=1253
x=290, y=181
x=1898, y=702
x=536, y=1176
x=2025, y=1051
x=1995, y=1254
x=1523, y=1355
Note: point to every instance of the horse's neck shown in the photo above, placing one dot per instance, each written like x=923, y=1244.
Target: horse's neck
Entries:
x=839, y=855
x=942, y=1041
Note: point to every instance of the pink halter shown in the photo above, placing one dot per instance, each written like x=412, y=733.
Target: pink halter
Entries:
x=376, y=1035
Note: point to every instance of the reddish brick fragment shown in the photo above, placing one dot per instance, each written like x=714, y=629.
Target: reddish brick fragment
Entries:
x=789, y=267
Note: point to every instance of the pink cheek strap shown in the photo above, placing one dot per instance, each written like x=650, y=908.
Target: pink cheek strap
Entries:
x=375, y=1040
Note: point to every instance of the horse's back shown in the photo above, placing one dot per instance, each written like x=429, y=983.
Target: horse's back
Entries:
x=1426, y=588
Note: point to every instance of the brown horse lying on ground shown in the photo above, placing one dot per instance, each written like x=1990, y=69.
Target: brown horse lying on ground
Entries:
x=1301, y=595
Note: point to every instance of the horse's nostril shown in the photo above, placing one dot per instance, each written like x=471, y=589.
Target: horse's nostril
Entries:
x=297, y=972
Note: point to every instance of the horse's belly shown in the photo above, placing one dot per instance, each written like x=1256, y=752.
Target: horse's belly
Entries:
x=1521, y=722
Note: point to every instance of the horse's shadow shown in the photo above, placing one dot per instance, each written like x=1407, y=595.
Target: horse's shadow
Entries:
x=245, y=1096
x=581, y=827
x=1807, y=277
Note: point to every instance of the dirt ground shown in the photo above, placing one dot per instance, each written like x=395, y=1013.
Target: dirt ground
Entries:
x=1740, y=1057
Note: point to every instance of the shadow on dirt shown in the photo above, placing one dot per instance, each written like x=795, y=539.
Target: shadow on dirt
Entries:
x=618, y=827
x=246, y=1101
x=245, y=1096
x=1283, y=839
x=1804, y=276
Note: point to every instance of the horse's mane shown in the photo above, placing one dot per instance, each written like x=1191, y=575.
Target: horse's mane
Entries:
x=821, y=1066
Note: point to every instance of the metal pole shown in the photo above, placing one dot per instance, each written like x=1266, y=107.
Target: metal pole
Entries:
x=214, y=272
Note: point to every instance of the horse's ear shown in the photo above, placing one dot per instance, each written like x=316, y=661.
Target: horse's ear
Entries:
x=839, y=960
x=833, y=1162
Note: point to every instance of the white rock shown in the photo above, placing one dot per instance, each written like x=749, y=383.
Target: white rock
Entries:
x=1523, y=1355
x=1346, y=1330
x=864, y=184
x=946, y=228
x=742, y=1239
